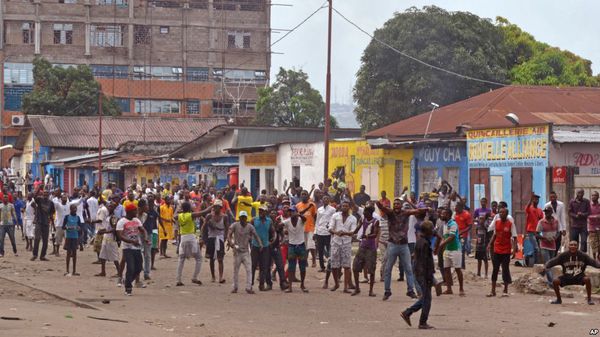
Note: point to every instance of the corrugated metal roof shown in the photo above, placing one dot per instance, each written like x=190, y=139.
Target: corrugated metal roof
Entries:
x=82, y=132
x=579, y=134
x=533, y=105
x=83, y=157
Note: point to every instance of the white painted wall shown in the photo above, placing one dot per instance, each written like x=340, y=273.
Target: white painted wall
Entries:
x=309, y=174
x=215, y=148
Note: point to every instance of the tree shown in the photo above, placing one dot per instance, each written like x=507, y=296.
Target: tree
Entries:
x=537, y=63
x=291, y=101
x=391, y=87
x=71, y=91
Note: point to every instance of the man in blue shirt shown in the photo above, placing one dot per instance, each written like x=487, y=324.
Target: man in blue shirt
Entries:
x=19, y=208
x=261, y=256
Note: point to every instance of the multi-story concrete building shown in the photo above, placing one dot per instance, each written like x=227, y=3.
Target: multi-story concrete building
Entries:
x=194, y=58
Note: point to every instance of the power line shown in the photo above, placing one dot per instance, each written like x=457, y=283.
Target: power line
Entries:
x=300, y=24
x=416, y=59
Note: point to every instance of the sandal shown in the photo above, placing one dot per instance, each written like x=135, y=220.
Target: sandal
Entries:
x=491, y=295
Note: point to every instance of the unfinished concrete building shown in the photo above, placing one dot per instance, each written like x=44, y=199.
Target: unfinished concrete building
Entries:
x=195, y=58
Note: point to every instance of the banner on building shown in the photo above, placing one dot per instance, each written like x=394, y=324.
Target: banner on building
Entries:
x=302, y=154
x=261, y=159
x=509, y=147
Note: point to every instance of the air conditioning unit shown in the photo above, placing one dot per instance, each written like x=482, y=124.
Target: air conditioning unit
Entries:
x=18, y=120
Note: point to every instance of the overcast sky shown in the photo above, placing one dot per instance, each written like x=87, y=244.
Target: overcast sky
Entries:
x=573, y=25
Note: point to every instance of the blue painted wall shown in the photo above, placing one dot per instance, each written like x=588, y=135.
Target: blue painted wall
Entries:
x=206, y=166
x=440, y=157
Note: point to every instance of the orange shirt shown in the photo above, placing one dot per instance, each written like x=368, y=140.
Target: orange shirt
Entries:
x=309, y=224
x=463, y=220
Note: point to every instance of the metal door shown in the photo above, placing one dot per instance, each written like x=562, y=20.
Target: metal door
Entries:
x=399, y=165
x=522, y=179
x=254, y=182
x=478, y=176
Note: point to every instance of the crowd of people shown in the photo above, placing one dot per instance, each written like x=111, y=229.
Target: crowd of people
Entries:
x=277, y=234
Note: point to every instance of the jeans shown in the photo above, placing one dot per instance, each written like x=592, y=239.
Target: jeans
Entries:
x=533, y=241
x=147, y=250
x=83, y=238
x=276, y=257
x=262, y=260
x=133, y=260
x=548, y=254
x=10, y=230
x=580, y=232
x=504, y=261
x=411, y=248
x=238, y=260
x=402, y=252
x=423, y=304
x=41, y=233
x=323, y=243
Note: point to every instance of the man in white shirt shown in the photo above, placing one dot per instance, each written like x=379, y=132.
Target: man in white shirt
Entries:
x=342, y=226
x=322, y=235
x=558, y=213
x=62, y=210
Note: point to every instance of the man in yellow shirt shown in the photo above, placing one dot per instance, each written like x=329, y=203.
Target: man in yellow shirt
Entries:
x=165, y=229
x=130, y=200
x=245, y=203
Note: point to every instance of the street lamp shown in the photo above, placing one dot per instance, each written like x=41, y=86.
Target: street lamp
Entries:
x=4, y=147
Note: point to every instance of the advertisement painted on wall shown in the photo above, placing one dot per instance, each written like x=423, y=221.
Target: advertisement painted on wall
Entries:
x=510, y=147
x=261, y=159
x=302, y=154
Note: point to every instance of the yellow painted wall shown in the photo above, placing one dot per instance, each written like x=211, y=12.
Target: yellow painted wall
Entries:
x=147, y=172
x=27, y=155
x=344, y=152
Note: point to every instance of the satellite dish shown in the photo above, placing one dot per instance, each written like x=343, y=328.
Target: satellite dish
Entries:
x=511, y=117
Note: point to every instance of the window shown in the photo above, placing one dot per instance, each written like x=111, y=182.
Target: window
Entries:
x=18, y=73
x=239, y=75
x=161, y=73
x=123, y=104
x=103, y=71
x=193, y=107
x=67, y=1
x=142, y=35
x=107, y=36
x=164, y=29
x=63, y=33
x=199, y=4
x=156, y=106
x=270, y=180
x=428, y=179
x=229, y=108
x=28, y=32
x=224, y=5
x=238, y=40
x=111, y=2
x=222, y=108
x=197, y=74
x=165, y=4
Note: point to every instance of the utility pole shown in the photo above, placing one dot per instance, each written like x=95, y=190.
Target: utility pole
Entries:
x=100, y=140
x=328, y=94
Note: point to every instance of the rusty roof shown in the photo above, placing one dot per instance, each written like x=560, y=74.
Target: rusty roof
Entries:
x=534, y=105
x=82, y=132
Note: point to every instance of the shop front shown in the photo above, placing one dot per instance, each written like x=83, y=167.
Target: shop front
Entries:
x=355, y=163
x=508, y=165
x=147, y=173
x=436, y=162
x=215, y=172
x=575, y=166
x=259, y=170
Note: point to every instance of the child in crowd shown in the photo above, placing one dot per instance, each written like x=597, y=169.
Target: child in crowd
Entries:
x=483, y=239
x=72, y=227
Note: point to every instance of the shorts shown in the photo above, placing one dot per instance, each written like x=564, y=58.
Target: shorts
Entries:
x=154, y=239
x=210, y=249
x=59, y=236
x=310, y=243
x=297, y=252
x=453, y=259
x=481, y=254
x=341, y=255
x=71, y=245
x=365, y=259
x=567, y=280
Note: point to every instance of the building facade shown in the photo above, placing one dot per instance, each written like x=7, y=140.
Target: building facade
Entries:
x=440, y=161
x=193, y=58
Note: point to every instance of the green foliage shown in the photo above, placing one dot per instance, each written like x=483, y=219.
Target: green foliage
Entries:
x=391, y=87
x=69, y=91
x=536, y=63
x=291, y=102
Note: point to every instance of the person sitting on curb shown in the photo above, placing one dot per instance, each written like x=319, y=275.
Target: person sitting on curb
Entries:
x=573, y=263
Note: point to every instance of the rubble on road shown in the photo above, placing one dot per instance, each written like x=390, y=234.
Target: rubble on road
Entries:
x=531, y=283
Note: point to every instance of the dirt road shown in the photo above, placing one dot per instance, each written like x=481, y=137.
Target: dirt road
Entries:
x=58, y=308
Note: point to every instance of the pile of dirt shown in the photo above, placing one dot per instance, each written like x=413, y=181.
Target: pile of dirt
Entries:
x=531, y=284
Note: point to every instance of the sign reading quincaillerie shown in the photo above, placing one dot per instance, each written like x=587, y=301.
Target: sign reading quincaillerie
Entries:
x=519, y=146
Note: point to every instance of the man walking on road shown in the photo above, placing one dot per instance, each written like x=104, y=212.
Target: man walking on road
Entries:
x=342, y=228
x=132, y=233
x=242, y=232
x=44, y=210
x=8, y=220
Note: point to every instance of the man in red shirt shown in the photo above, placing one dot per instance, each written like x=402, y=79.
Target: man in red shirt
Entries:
x=504, y=240
x=465, y=223
x=534, y=215
x=384, y=200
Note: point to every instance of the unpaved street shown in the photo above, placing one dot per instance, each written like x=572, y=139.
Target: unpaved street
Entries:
x=210, y=310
